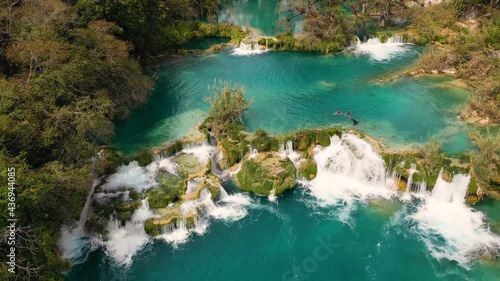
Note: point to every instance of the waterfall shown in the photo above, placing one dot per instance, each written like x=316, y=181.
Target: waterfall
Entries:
x=124, y=241
x=202, y=152
x=253, y=153
x=74, y=241
x=230, y=208
x=449, y=228
x=266, y=45
x=288, y=151
x=130, y=176
x=133, y=176
x=409, y=182
x=247, y=49
x=349, y=170
x=381, y=51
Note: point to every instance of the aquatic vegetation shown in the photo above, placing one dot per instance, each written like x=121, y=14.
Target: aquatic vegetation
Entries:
x=226, y=107
x=308, y=169
x=265, y=173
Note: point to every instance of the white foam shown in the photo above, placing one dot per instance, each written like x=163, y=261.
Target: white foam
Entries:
x=192, y=185
x=161, y=163
x=74, y=241
x=381, y=51
x=451, y=229
x=289, y=152
x=230, y=208
x=123, y=242
x=202, y=152
x=247, y=49
x=130, y=176
x=253, y=153
x=349, y=170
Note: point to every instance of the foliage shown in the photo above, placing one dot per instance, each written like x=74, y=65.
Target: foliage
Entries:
x=308, y=169
x=471, y=30
x=327, y=27
x=267, y=174
x=61, y=86
x=486, y=161
x=148, y=24
x=431, y=154
x=227, y=106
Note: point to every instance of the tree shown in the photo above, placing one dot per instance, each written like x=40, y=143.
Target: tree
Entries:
x=431, y=154
x=227, y=105
x=486, y=161
x=325, y=23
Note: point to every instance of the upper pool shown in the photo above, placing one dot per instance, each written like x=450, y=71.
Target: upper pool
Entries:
x=295, y=90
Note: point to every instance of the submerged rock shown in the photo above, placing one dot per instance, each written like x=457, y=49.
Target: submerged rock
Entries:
x=265, y=173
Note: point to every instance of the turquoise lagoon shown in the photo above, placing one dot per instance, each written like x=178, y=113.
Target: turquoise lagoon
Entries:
x=305, y=234
x=294, y=90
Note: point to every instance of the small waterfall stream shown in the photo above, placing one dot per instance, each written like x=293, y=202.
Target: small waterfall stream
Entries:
x=450, y=228
x=381, y=51
x=74, y=241
x=247, y=49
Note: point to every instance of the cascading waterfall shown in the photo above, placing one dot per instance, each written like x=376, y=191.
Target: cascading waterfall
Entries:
x=253, y=153
x=288, y=151
x=411, y=172
x=449, y=228
x=247, y=49
x=133, y=176
x=349, y=170
x=74, y=240
x=124, y=241
x=230, y=208
x=202, y=152
x=381, y=51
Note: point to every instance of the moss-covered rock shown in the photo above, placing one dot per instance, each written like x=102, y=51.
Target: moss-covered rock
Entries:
x=263, y=142
x=265, y=173
x=308, y=169
x=188, y=165
x=159, y=199
x=110, y=160
x=143, y=157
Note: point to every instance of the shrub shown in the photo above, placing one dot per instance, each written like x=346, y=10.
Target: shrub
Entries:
x=226, y=106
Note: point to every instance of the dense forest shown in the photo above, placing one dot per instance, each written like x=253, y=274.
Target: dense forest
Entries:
x=68, y=69
x=66, y=72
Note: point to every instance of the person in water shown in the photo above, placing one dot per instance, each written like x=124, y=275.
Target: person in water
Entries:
x=354, y=122
x=338, y=112
x=349, y=114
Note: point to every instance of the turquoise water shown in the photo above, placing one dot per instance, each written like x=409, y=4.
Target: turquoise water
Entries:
x=293, y=90
x=286, y=241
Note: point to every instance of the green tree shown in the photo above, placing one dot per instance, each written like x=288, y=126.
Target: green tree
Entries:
x=227, y=105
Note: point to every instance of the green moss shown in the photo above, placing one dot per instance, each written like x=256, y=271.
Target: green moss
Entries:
x=263, y=142
x=152, y=229
x=271, y=172
x=172, y=148
x=432, y=178
x=323, y=138
x=111, y=159
x=188, y=164
x=143, y=157
x=161, y=198
x=303, y=139
x=308, y=169
x=234, y=151
x=472, y=187
x=214, y=190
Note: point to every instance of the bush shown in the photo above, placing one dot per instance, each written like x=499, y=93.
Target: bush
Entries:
x=226, y=107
